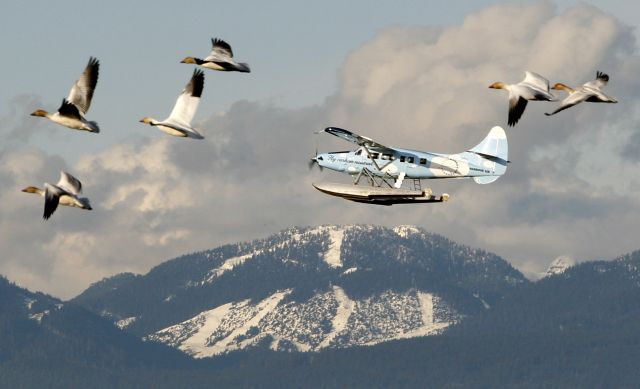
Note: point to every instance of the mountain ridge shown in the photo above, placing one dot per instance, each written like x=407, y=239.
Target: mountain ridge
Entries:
x=579, y=328
x=393, y=282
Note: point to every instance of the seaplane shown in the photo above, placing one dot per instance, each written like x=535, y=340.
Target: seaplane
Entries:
x=384, y=169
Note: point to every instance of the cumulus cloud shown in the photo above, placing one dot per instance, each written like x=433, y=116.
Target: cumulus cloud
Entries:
x=570, y=189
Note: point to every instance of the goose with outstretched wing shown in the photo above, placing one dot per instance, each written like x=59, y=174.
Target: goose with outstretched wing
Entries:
x=179, y=121
x=75, y=106
x=220, y=58
x=534, y=87
x=590, y=91
x=66, y=192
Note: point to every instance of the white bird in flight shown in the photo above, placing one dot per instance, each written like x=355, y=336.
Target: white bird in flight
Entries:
x=75, y=106
x=220, y=58
x=65, y=192
x=533, y=87
x=590, y=91
x=179, y=121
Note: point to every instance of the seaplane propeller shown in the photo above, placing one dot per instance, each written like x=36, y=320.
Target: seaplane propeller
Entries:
x=314, y=161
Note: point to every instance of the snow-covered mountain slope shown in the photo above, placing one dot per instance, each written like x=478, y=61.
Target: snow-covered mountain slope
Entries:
x=329, y=319
x=307, y=289
x=559, y=265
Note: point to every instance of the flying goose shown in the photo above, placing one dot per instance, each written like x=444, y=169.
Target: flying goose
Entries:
x=179, y=121
x=220, y=58
x=75, y=106
x=533, y=87
x=65, y=192
x=590, y=91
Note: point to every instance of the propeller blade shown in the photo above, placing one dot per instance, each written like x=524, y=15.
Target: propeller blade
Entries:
x=314, y=162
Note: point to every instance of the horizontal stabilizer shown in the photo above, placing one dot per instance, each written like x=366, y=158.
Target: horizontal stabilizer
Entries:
x=485, y=179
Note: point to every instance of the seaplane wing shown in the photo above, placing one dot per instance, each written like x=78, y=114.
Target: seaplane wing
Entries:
x=357, y=139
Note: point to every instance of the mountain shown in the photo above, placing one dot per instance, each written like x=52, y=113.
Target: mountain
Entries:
x=590, y=296
x=47, y=340
x=559, y=265
x=21, y=315
x=579, y=328
x=307, y=289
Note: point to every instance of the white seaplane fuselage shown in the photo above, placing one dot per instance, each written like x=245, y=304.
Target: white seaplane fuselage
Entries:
x=414, y=164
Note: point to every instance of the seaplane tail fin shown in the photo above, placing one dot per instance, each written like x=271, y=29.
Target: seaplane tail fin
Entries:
x=493, y=145
x=493, y=148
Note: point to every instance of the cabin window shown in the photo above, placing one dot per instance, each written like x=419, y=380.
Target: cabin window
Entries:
x=402, y=158
x=374, y=155
x=423, y=161
x=388, y=157
x=410, y=159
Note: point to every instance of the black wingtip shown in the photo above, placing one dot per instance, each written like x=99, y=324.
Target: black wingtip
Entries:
x=197, y=83
x=216, y=42
x=48, y=211
x=602, y=76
